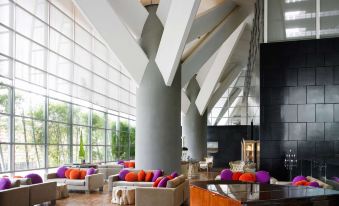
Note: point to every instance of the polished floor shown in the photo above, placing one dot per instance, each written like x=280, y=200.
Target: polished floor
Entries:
x=104, y=198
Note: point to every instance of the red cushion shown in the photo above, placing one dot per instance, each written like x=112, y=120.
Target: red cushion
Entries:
x=141, y=175
x=149, y=176
x=131, y=177
x=236, y=175
x=301, y=183
x=83, y=174
x=170, y=177
x=75, y=174
x=131, y=164
x=67, y=173
x=247, y=177
x=156, y=183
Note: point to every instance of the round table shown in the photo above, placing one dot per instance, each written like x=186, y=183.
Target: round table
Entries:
x=61, y=191
x=123, y=195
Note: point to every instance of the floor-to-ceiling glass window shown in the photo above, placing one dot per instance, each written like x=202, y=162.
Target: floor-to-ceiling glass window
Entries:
x=63, y=94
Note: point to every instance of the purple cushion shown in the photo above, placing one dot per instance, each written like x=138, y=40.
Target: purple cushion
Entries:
x=122, y=174
x=90, y=171
x=298, y=178
x=121, y=162
x=262, y=177
x=5, y=183
x=61, y=172
x=336, y=179
x=156, y=174
x=314, y=184
x=174, y=174
x=163, y=182
x=226, y=174
x=35, y=178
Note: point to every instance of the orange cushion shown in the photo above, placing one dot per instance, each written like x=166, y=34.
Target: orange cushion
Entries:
x=131, y=164
x=17, y=177
x=301, y=183
x=141, y=175
x=83, y=174
x=170, y=177
x=75, y=174
x=67, y=173
x=247, y=177
x=149, y=176
x=155, y=184
x=126, y=164
x=236, y=175
x=131, y=177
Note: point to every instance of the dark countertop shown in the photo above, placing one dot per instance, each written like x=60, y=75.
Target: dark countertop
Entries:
x=254, y=192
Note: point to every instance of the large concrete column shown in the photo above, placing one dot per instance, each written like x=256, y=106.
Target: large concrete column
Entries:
x=194, y=126
x=158, y=134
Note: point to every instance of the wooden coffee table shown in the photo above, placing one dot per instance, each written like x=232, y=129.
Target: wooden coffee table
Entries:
x=61, y=191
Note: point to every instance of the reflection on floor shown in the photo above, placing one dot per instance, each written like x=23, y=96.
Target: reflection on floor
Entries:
x=104, y=198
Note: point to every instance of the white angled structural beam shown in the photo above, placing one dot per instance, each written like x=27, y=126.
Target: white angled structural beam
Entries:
x=108, y=24
x=211, y=44
x=224, y=85
x=214, y=75
x=185, y=103
x=163, y=9
x=173, y=39
x=206, y=21
x=135, y=22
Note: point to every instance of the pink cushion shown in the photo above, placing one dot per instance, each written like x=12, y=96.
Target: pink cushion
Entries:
x=156, y=174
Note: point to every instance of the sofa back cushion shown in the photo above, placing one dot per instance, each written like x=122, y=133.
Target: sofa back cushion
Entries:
x=156, y=174
x=75, y=174
x=141, y=176
x=61, y=172
x=36, y=179
x=5, y=183
x=131, y=177
x=176, y=181
x=149, y=176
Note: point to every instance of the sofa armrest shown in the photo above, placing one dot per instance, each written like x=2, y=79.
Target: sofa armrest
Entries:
x=94, y=181
x=111, y=179
x=154, y=196
x=43, y=192
x=50, y=176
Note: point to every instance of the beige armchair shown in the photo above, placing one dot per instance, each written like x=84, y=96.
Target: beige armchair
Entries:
x=109, y=169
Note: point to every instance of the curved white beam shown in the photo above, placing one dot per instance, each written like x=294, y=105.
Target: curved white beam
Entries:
x=208, y=20
x=185, y=103
x=135, y=22
x=211, y=44
x=214, y=75
x=108, y=24
x=178, y=24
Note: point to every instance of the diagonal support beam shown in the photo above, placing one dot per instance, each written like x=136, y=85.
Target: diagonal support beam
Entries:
x=163, y=10
x=224, y=85
x=201, y=76
x=178, y=24
x=211, y=44
x=135, y=22
x=206, y=21
x=233, y=96
x=104, y=19
x=222, y=59
x=185, y=103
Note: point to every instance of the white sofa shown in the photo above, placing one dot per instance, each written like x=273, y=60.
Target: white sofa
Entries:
x=109, y=169
x=90, y=183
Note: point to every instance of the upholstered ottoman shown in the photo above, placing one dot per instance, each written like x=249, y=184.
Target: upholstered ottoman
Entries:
x=123, y=195
x=61, y=191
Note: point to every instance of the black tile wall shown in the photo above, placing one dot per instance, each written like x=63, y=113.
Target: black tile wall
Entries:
x=299, y=87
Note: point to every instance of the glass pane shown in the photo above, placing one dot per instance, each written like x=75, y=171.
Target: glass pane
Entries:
x=30, y=26
x=37, y=7
x=29, y=157
x=60, y=67
x=329, y=18
x=82, y=57
x=77, y=132
x=58, y=111
x=112, y=153
x=5, y=12
x=289, y=20
x=82, y=37
x=124, y=153
x=98, y=154
x=29, y=74
x=60, y=44
x=29, y=104
x=4, y=99
x=5, y=126
x=58, y=133
x=29, y=131
x=112, y=122
x=61, y=22
x=98, y=136
x=76, y=158
x=5, y=65
x=5, y=40
x=123, y=125
x=4, y=157
x=98, y=119
x=58, y=155
x=80, y=115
